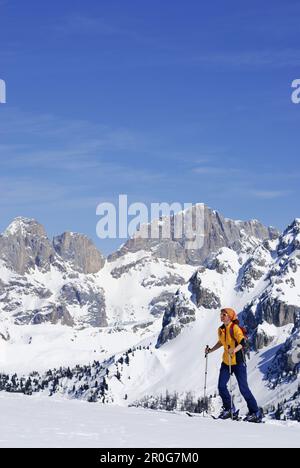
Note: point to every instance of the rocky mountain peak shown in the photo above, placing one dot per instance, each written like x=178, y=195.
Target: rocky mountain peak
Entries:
x=24, y=245
x=293, y=228
x=80, y=251
x=289, y=241
x=218, y=232
x=22, y=226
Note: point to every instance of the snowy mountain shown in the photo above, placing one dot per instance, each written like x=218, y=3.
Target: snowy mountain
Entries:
x=135, y=325
x=217, y=231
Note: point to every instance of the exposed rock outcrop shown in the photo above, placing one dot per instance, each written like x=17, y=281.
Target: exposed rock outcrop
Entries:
x=203, y=296
x=179, y=314
x=217, y=232
x=53, y=314
x=25, y=245
x=80, y=251
x=34, y=268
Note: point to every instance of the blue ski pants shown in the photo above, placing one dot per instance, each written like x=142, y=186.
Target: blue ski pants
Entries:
x=240, y=372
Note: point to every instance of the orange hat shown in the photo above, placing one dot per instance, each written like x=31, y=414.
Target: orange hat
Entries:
x=231, y=313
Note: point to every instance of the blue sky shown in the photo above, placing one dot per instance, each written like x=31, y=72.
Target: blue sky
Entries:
x=164, y=101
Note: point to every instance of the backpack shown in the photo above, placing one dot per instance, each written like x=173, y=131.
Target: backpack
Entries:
x=246, y=348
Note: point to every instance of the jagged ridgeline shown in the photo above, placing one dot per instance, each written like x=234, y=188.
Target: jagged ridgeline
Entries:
x=60, y=275
x=64, y=306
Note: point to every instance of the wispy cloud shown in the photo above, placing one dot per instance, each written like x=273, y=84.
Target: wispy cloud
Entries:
x=49, y=125
x=69, y=161
x=271, y=58
x=270, y=194
x=238, y=181
x=77, y=161
x=217, y=171
x=61, y=140
x=21, y=191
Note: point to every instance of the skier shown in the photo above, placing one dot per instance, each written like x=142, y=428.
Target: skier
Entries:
x=232, y=338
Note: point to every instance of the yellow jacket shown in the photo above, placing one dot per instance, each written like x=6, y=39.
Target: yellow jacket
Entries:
x=227, y=340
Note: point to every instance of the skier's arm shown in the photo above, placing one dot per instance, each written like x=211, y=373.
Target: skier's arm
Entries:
x=235, y=350
x=215, y=348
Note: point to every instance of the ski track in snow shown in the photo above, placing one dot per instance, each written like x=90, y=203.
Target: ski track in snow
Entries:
x=40, y=421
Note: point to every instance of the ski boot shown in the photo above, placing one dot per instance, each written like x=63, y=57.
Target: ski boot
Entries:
x=255, y=417
x=227, y=414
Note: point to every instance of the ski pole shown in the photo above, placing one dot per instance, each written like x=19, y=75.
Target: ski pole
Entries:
x=205, y=379
x=230, y=383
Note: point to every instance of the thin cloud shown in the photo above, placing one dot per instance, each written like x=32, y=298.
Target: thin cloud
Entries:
x=270, y=194
x=76, y=130
x=217, y=171
x=22, y=191
x=244, y=183
x=62, y=143
x=249, y=59
x=70, y=161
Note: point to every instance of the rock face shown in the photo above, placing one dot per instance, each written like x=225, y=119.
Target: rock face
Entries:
x=136, y=265
x=203, y=296
x=168, y=280
x=278, y=304
x=92, y=299
x=24, y=245
x=161, y=303
x=53, y=276
x=79, y=251
x=54, y=315
x=255, y=268
x=285, y=367
x=289, y=242
x=277, y=312
x=270, y=310
x=261, y=339
x=217, y=232
x=176, y=318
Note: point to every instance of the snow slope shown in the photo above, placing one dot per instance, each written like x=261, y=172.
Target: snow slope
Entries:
x=129, y=284
x=43, y=422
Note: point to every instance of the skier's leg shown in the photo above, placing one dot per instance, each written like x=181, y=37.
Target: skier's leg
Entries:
x=240, y=371
x=222, y=386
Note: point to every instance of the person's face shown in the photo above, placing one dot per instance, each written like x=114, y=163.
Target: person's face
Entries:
x=224, y=317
